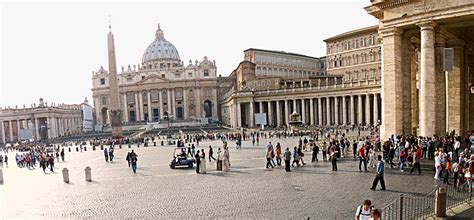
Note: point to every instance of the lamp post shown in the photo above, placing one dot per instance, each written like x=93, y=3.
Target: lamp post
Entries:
x=167, y=117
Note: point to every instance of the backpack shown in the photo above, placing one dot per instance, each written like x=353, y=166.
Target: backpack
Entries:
x=361, y=207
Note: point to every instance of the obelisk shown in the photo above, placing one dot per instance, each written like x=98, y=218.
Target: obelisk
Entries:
x=115, y=114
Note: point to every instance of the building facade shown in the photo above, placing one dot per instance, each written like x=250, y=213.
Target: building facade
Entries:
x=40, y=122
x=280, y=83
x=425, y=87
x=161, y=83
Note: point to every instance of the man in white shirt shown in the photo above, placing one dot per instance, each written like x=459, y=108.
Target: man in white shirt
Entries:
x=364, y=211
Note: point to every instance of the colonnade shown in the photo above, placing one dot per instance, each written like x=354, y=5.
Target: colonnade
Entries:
x=361, y=109
x=56, y=127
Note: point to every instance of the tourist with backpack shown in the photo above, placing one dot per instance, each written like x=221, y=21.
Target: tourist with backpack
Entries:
x=364, y=211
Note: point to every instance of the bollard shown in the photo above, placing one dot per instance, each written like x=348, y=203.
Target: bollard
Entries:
x=93, y=147
x=66, y=175
x=162, y=143
x=85, y=148
x=440, y=202
x=154, y=144
x=101, y=147
x=1, y=176
x=129, y=146
x=88, y=174
x=120, y=146
x=77, y=149
x=138, y=145
x=69, y=149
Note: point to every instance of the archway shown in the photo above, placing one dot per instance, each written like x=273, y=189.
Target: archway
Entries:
x=207, y=109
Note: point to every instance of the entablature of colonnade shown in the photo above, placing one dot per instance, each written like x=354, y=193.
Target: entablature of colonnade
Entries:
x=412, y=12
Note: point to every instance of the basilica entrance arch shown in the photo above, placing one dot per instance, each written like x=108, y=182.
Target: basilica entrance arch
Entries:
x=207, y=109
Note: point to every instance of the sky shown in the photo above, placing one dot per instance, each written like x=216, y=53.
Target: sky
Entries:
x=49, y=49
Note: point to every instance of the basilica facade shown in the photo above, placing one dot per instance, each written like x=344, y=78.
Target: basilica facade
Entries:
x=160, y=86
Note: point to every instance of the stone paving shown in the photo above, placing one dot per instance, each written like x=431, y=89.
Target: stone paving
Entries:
x=248, y=191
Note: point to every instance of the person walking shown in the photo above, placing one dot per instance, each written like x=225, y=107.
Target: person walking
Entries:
x=333, y=157
x=362, y=158
x=62, y=154
x=198, y=161
x=325, y=147
x=219, y=159
x=301, y=154
x=128, y=159
x=296, y=158
x=269, y=158
x=278, y=154
x=379, y=176
x=51, y=163
x=226, y=159
x=211, y=152
x=5, y=159
x=203, y=162
x=106, y=155
x=315, y=153
x=364, y=211
x=416, y=161
x=111, y=154
x=133, y=161
x=287, y=156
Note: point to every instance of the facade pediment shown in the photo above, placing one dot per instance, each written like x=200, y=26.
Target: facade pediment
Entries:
x=152, y=79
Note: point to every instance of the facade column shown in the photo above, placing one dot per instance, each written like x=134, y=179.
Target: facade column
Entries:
x=359, y=109
x=214, y=103
x=458, y=106
x=278, y=115
x=162, y=110
x=303, y=112
x=168, y=101
x=427, y=80
x=148, y=99
x=376, y=109
x=239, y=114
x=270, y=113
x=294, y=106
x=185, y=103
x=198, y=104
x=260, y=107
x=344, y=110
x=10, y=125
x=392, y=83
x=414, y=94
x=137, y=107
x=286, y=113
x=320, y=112
x=352, y=110
x=140, y=100
x=125, y=108
x=367, y=109
x=36, y=129
x=328, y=111
x=336, y=110
x=173, y=103
x=311, y=111
x=251, y=115
x=2, y=129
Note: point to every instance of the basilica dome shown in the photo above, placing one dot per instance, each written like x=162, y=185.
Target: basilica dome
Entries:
x=160, y=49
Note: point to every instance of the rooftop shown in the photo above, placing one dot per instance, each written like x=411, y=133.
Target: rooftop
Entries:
x=282, y=52
x=353, y=32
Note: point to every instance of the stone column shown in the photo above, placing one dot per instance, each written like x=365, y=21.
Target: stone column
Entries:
x=367, y=109
x=270, y=113
x=427, y=80
x=173, y=104
x=352, y=109
x=214, y=103
x=238, y=118
x=294, y=106
x=286, y=113
x=336, y=110
x=137, y=107
x=344, y=111
x=278, y=115
x=328, y=111
x=303, y=112
x=251, y=115
x=414, y=94
x=359, y=109
x=168, y=102
x=376, y=108
x=185, y=103
x=441, y=104
x=2, y=129
x=311, y=111
x=37, y=129
x=162, y=109
x=392, y=86
x=407, y=48
x=320, y=111
x=198, y=103
x=125, y=108
x=148, y=98
x=260, y=107
x=456, y=91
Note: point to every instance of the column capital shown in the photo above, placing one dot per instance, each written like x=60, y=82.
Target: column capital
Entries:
x=427, y=25
x=386, y=32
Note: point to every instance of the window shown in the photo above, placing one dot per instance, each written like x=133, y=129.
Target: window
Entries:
x=206, y=72
x=179, y=94
x=129, y=79
x=207, y=92
x=190, y=75
x=104, y=100
x=130, y=98
x=102, y=81
x=154, y=96
x=177, y=75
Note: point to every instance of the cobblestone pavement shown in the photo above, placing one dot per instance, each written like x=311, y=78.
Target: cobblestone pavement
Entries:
x=249, y=190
